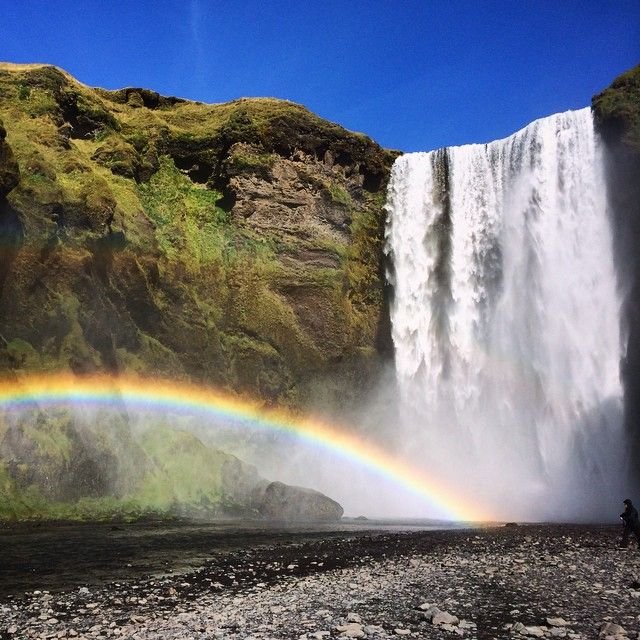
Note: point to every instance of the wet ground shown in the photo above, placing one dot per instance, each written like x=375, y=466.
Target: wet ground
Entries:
x=61, y=556
x=153, y=581
x=355, y=580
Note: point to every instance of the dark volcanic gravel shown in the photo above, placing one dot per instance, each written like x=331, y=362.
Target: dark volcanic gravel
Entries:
x=503, y=582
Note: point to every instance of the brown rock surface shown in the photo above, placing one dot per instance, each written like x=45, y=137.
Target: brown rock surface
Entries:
x=9, y=170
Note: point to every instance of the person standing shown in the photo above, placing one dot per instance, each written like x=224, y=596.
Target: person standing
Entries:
x=630, y=522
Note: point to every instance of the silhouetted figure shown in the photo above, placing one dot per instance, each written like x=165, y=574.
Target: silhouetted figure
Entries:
x=631, y=524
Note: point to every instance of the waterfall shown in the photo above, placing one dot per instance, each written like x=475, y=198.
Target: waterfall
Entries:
x=505, y=320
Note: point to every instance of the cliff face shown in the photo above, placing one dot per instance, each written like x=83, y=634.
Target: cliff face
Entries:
x=617, y=112
x=237, y=245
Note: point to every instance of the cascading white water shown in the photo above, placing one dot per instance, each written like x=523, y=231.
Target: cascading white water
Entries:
x=506, y=320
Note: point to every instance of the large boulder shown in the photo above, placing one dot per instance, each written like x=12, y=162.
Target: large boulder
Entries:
x=278, y=501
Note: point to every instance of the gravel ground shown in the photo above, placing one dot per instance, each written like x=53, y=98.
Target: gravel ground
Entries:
x=503, y=582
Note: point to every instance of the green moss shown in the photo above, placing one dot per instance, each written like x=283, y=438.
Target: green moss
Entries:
x=617, y=108
x=50, y=434
x=37, y=101
x=171, y=196
x=256, y=163
x=183, y=470
x=244, y=343
x=177, y=473
x=363, y=268
x=23, y=92
x=22, y=354
x=339, y=195
x=189, y=289
x=190, y=229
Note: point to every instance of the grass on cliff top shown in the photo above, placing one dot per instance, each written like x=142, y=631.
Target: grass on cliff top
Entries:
x=248, y=119
x=199, y=118
x=273, y=122
x=621, y=102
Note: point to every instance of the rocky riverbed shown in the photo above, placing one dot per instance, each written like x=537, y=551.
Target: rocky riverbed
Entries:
x=503, y=582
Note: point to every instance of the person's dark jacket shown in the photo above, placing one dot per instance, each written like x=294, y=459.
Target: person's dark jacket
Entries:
x=630, y=517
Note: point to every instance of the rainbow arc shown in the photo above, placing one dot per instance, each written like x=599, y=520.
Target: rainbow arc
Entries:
x=170, y=396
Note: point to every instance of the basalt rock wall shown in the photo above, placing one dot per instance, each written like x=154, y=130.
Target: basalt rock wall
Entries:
x=617, y=112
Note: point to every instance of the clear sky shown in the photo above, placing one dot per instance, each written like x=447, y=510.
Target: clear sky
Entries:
x=414, y=75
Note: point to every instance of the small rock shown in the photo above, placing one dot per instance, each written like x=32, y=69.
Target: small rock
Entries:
x=450, y=628
x=402, y=632
x=443, y=617
x=557, y=622
x=351, y=630
x=430, y=612
x=536, y=632
x=467, y=624
x=611, y=629
x=373, y=629
x=353, y=617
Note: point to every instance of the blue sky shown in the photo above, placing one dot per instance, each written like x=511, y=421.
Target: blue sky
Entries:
x=413, y=75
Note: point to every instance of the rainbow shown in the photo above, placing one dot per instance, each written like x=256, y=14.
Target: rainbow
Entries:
x=171, y=396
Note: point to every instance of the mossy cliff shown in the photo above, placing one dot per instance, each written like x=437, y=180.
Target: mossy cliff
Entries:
x=617, y=113
x=237, y=245
x=234, y=244
x=63, y=464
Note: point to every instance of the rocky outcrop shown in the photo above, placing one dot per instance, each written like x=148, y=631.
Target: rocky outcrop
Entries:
x=278, y=501
x=9, y=170
x=64, y=464
x=235, y=244
x=11, y=231
x=617, y=110
x=617, y=113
